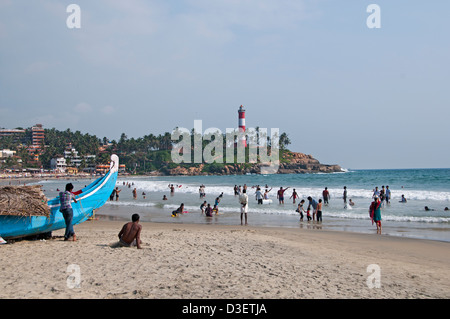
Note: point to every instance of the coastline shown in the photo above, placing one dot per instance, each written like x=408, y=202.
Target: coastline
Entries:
x=220, y=261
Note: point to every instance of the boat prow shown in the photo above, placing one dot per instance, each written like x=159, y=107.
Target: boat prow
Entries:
x=92, y=197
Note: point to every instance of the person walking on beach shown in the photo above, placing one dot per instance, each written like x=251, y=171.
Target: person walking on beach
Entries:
x=375, y=213
x=65, y=199
x=280, y=195
x=243, y=200
x=130, y=234
x=326, y=196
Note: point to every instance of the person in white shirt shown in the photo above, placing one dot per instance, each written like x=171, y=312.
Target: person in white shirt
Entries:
x=243, y=200
x=376, y=192
x=259, y=196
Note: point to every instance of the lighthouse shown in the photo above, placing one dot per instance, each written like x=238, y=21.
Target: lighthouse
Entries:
x=241, y=113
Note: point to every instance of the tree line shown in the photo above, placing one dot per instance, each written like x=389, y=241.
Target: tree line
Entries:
x=140, y=155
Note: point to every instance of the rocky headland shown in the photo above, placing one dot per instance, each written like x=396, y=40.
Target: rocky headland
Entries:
x=290, y=163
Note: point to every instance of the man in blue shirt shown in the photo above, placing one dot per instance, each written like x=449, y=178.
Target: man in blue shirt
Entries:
x=313, y=203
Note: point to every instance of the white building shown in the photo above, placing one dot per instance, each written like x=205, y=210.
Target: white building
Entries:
x=7, y=153
x=59, y=164
x=71, y=155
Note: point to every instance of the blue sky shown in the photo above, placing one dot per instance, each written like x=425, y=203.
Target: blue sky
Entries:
x=344, y=93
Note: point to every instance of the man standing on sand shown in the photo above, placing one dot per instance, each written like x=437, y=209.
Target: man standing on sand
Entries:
x=243, y=200
x=65, y=199
x=130, y=235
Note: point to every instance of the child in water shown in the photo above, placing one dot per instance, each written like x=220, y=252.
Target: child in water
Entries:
x=179, y=210
x=300, y=209
x=208, y=211
x=308, y=214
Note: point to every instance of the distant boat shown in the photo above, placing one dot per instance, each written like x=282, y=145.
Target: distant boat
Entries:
x=92, y=197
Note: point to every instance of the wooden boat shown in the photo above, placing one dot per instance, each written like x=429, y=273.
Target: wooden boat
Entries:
x=91, y=198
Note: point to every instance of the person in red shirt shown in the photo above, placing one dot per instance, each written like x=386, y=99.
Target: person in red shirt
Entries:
x=326, y=196
x=280, y=194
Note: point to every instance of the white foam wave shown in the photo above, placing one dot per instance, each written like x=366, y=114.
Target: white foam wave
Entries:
x=127, y=203
x=215, y=190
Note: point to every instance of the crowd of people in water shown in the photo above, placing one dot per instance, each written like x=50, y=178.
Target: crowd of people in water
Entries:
x=310, y=209
x=130, y=233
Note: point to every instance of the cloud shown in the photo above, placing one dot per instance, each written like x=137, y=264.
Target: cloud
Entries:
x=83, y=108
x=108, y=110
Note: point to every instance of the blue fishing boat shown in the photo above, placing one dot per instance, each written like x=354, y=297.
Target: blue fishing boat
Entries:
x=91, y=198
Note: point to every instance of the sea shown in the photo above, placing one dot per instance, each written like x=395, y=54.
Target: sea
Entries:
x=420, y=187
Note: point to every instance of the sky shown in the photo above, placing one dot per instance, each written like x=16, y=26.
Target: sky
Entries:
x=359, y=97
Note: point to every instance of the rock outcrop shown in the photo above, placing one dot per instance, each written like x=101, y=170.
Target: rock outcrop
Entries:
x=291, y=163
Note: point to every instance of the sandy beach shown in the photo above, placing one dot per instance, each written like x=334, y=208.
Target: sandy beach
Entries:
x=219, y=261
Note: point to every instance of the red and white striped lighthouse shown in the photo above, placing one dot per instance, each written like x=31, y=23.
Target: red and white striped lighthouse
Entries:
x=241, y=112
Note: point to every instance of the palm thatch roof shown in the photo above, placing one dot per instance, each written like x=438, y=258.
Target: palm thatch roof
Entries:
x=23, y=201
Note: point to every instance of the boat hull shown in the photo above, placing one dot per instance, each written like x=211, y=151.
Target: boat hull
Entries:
x=92, y=197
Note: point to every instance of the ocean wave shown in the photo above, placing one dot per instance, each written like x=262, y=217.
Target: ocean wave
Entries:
x=127, y=203
x=418, y=219
x=304, y=192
